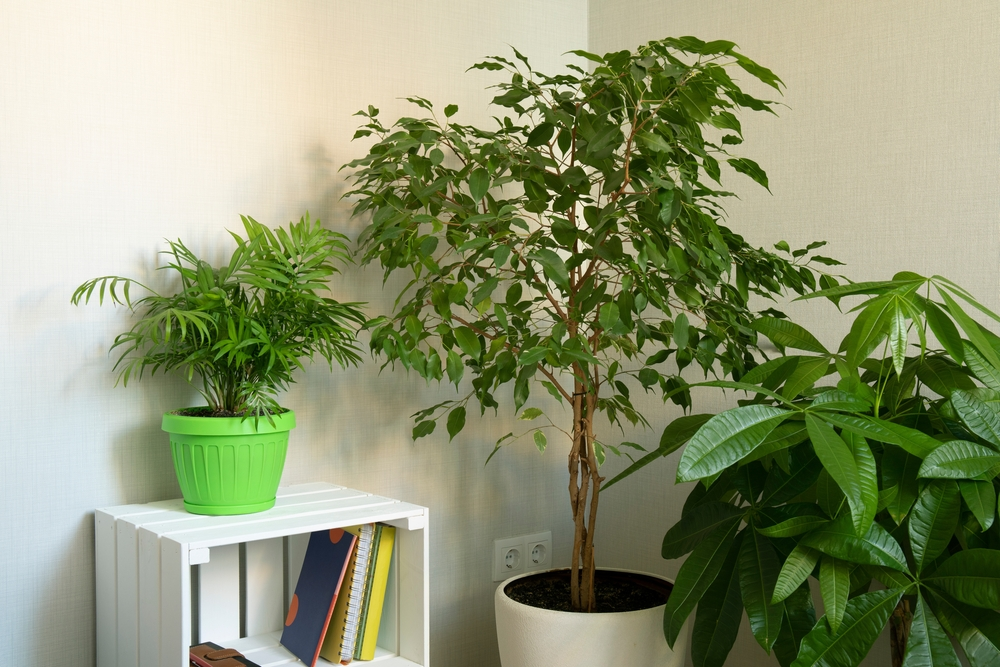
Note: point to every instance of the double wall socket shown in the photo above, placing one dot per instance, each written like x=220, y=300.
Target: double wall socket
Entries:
x=524, y=553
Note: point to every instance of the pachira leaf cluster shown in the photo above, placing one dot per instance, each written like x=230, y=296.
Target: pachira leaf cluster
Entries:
x=575, y=247
x=874, y=463
x=239, y=331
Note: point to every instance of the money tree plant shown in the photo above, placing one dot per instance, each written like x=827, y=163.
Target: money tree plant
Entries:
x=873, y=464
x=575, y=247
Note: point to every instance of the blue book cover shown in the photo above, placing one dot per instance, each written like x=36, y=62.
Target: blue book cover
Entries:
x=316, y=592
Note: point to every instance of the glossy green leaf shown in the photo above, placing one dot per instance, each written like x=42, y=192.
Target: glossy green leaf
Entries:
x=933, y=520
x=838, y=460
x=468, y=341
x=899, y=472
x=960, y=459
x=726, y=438
x=977, y=630
x=717, y=621
x=456, y=421
x=674, y=435
x=750, y=168
x=971, y=576
x=869, y=329
x=423, y=428
x=834, y=587
x=804, y=470
x=807, y=372
x=971, y=329
x=980, y=417
x=867, y=481
x=916, y=443
x=788, y=334
x=479, y=183
x=897, y=339
x=695, y=576
x=838, y=539
x=794, y=526
x=987, y=373
x=455, y=367
x=797, y=567
x=553, y=266
x=943, y=376
x=927, y=644
x=800, y=617
x=864, y=618
x=828, y=495
x=540, y=440
x=696, y=525
x=758, y=565
x=981, y=498
x=944, y=330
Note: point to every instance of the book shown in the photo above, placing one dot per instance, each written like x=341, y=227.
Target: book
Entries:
x=316, y=592
x=210, y=654
x=371, y=614
x=340, y=639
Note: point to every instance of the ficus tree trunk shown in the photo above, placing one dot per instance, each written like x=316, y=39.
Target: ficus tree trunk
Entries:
x=584, y=491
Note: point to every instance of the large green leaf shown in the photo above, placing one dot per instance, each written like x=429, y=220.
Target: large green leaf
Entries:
x=695, y=526
x=726, y=438
x=944, y=330
x=838, y=460
x=788, y=334
x=864, y=618
x=933, y=520
x=971, y=329
x=987, y=373
x=981, y=497
x=960, y=459
x=869, y=329
x=928, y=645
x=695, y=576
x=807, y=373
x=800, y=617
x=794, y=526
x=916, y=443
x=897, y=338
x=717, y=620
x=797, y=567
x=674, y=435
x=977, y=630
x=899, y=471
x=971, y=576
x=943, y=376
x=867, y=481
x=804, y=468
x=980, y=417
x=834, y=587
x=838, y=539
x=758, y=565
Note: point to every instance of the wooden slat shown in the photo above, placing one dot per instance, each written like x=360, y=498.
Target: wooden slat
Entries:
x=175, y=605
x=413, y=605
x=149, y=598
x=264, y=589
x=105, y=565
x=219, y=596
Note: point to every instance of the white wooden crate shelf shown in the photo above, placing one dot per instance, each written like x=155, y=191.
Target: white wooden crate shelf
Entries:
x=167, y=578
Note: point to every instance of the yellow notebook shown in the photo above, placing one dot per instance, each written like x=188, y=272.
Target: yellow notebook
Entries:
x=338, y=645
x=376, y=595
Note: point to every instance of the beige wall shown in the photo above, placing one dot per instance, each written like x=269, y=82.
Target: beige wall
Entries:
x=889, y=148
x=122, y=123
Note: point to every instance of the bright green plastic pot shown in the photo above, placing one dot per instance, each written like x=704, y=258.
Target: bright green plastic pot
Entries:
x=228, y=465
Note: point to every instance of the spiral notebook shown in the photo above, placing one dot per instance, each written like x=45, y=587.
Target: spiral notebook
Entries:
x=341, y=636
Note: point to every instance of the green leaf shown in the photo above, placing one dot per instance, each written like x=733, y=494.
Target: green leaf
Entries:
x=456, y=421
x=450, y=110
x=674, y=435
x=899, y=471
x=717, y=620
x=695, y=576
x=423, y=428
x=540, y=441
x=788, y=334
x=867, y=481
x=529, y=414
x=988, y=374
x=916, y=443
x=834, y=586
x=541, y=135
x=980, y=417
x=943, y=376
x=981, y=497
x=807, y=373
x=759, y=569
x=553, y=266
x=897, y=338
x=960, y=459
x=870, y=328
x=800, y=617
x=468, y=341
x=944, y=330
x=933, y=520
x=971, y=329
x=977, y=630
x=681, y=331
x=838, y=460
x=839, y=540
x=726, y=438
x=455, y=367
x=927, y=644
x=971, y=576
x=479, y=183
x=795, y=526
x=608, y=316
x=751, y=169
x=864, y=618
x=797, y=567
x=695, y=526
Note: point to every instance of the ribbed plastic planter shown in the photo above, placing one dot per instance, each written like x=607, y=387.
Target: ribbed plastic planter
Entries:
x=533, y=637
x=228, y=465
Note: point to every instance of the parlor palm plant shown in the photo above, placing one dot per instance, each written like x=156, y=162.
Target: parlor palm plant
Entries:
x=877, y=462
x=578, y=247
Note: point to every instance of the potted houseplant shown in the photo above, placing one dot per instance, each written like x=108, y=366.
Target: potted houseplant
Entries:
x=576, y=247
x=238, y=332
x=874, y=463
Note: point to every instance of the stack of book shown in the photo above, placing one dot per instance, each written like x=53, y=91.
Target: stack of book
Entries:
x=337, y=605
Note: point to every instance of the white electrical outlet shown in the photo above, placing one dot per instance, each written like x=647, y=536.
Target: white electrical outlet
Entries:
x=524, y=553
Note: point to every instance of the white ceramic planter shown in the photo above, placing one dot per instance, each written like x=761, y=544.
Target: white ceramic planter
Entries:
x=533, y=637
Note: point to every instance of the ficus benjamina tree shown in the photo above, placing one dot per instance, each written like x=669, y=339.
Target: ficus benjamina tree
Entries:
x=576, y=247
x=871, y=469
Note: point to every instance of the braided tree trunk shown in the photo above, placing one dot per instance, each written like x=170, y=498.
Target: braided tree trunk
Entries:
x=899, y=631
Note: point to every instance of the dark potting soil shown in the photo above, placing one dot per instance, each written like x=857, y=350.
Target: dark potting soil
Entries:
x=205, y=411
x=615, y=591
